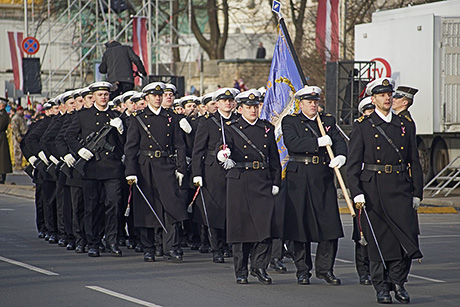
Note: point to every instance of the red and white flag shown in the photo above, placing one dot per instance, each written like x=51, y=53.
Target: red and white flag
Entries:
x=15, y=39
x=327, y=30
x=140, y=43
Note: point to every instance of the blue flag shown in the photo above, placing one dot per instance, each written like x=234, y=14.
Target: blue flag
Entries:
x=283, y=82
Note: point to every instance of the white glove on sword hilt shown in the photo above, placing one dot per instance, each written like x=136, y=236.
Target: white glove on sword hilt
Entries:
x=54, y=160
x=32, y=160
x=198, y=181
x=131, y=179
x=42, y=157
x=360, y=201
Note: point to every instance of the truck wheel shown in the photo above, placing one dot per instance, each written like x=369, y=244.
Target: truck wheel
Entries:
x=425, y=162
x=439, y=156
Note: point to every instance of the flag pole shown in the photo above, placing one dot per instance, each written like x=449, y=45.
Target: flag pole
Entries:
x=291, y=47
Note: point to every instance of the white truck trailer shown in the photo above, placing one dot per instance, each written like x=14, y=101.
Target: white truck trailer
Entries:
x=419, y=46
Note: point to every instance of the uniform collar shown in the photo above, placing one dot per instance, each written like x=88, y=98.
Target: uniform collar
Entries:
x=222, y=115
x=387, y=118
x=250, y=124
x=305, y=117
x=105, y=110
x=157, y=112
x=378, y=120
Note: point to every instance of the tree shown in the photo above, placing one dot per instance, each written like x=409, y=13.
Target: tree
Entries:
x=214, y=46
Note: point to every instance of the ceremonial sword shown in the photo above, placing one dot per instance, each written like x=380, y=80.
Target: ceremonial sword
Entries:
x=151, y=208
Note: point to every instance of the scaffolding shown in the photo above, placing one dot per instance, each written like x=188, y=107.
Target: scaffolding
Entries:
x=92, y=23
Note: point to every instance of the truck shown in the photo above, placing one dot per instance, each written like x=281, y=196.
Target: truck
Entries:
x=419, y=46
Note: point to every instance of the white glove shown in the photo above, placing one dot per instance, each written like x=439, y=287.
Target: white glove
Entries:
x=198, y=181
x=324, y=141
x=359, y=198
x=32, y=160
x=224, y=154
x=69, y=160
x=85, y=154
x=54, y=160
x=42, y=156
x=179, y=177
x=338, y=161
x=415, y=203
x=131, y=179
x=185, y=126
x=117, y=123
x=275, y=190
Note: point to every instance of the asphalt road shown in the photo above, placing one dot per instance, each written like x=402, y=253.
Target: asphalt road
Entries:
x=35, y=273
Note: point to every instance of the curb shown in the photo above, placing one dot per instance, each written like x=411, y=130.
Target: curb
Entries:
x=18, y=190
x=421, y=209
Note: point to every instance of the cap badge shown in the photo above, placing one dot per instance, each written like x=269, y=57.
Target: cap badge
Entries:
x=385, y=82
x=228, y=92
x=158, y=88
x=252, y=96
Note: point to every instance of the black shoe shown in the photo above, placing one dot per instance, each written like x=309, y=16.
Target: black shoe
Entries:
x=365, y=280
x=62, y=243
x=383, y=297
x=218, y=257
x=53, y=239
x=261, y=275
x=115, y=250
x=204, y=248
x=329, y=278
x=278, y=265
x=149, y=257
x=41, y=235
x=173, y=256
x=70, y=246
x=139, y=248
x=80, y=249
x=122, y=242
x=93, y=252
x=228, y=254
x=401, y=294
x=159, y=252
x=180, y=251
x=242, y=280
x=102, y=248
x=131, y=245
x=194, y=246
x=47, y=237
x=303, y=280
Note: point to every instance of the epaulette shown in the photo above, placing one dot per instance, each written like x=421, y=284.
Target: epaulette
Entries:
x=206, y=115
x=230, y=122
x=293, y=114
x=362, y=118
x=408, y=118
x=134, y=113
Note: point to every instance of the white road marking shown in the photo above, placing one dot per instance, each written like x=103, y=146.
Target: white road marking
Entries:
x=122, y=296
x=428, y=279
x=6, y=209
x=28, y=266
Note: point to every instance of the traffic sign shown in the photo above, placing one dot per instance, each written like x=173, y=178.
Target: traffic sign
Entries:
x=30, y=45
x=276, y=7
